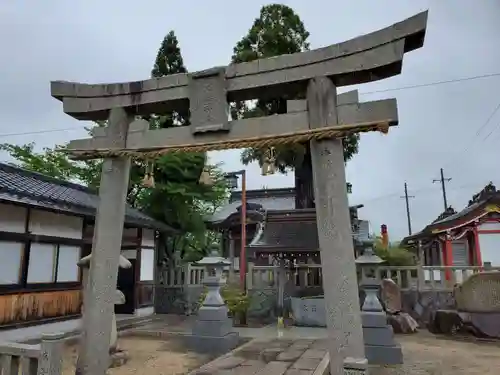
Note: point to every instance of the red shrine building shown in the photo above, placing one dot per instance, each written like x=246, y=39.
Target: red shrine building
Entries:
x=470, y=237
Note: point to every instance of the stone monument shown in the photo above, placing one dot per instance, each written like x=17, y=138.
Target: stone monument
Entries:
x=314, y=74
x=380, y=347
x=213, y=329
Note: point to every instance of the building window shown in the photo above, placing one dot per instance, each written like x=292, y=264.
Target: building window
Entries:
x=51, y=263
x=41, y=268
x=11, y=255
x=147, y=264
x=67, y=268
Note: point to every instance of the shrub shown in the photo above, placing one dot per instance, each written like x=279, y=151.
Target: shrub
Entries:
x=237, y=300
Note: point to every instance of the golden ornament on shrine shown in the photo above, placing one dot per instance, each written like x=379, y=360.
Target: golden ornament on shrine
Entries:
x=149, y=180
x=269, y=162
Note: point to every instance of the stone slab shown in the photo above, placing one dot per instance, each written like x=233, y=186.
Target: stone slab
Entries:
x=355, y=366
x=384, y=355
x=294, y=371
x=306, y=363
x=373, y=319
x=290, y=355
x=274, y=368
x=314, y=354
x=207, y=313
x=227, y=362
x=212, y=344
x=382, y=336
x=270, y=354
x=212, y=327
x=260, y=357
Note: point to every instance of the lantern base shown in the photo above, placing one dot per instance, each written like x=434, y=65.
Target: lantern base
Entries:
x=380, y=346
x=217, y=345
x=213, y=331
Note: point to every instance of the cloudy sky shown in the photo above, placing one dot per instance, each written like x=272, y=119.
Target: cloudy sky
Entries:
x=441, y=125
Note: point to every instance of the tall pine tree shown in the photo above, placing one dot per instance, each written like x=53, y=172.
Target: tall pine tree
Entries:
x=279, y=30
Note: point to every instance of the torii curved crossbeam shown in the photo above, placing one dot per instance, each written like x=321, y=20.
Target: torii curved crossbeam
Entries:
x=367, y=58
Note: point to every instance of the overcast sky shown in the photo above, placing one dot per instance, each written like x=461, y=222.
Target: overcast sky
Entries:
x=440, y=125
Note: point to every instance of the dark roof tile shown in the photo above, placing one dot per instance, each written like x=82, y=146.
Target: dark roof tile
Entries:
x=35, y=189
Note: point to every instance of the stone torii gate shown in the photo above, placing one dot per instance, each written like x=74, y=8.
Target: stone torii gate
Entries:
x=322, y=121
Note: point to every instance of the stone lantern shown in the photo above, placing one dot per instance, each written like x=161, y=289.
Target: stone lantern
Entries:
x=213, y=330
x=380, y=347
x=369, y=283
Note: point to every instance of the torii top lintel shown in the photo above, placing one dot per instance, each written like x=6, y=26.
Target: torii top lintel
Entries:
x=367, y=58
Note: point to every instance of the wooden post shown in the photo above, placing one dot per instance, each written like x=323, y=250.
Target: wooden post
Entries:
x=334, y=231
x=106, y=250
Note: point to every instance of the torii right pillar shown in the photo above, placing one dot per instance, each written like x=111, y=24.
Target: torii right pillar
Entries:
x=345, y=333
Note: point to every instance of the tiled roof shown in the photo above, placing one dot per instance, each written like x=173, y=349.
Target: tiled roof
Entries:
x=267, y=203
x=450, y=218
x=293, y=230
x=34, y=189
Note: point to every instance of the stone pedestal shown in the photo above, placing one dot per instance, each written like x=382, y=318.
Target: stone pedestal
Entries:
x=380, y=347
x=355, y=366
x=213, y=331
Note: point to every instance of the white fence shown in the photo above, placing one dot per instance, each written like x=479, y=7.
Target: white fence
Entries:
x=410, y=277
x=310, y=275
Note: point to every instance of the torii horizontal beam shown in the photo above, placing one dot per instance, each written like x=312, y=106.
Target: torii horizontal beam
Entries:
x=141, y=141
x=363, y=59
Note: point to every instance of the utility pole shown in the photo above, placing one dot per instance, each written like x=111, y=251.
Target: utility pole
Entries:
x=407, y=199
x=443, y=187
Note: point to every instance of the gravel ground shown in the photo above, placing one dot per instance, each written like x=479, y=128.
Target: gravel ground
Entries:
x=425, y=354
x=147, y=356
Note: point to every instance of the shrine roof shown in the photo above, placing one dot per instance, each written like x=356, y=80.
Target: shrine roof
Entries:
x=267, y=199
x=20, y=186
x=487, y=200
x=287, y=230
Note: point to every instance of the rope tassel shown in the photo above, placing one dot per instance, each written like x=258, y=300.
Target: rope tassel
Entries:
x=149, y=180
x=269, y=162
x=205, y=177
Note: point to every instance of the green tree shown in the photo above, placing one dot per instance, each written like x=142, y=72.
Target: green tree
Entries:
x=178, y=198
x=393, y=255
x=277, y=31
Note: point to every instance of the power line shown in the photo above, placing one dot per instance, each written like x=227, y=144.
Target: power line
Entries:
x=478, y=132
x=430, y=84
x=424, y=190
x=410, y=87
x=406, y=198
x=443, y=188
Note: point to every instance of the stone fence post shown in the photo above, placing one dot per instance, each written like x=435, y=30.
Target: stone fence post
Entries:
x=51, y=351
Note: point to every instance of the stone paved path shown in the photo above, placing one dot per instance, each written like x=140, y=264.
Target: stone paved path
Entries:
x=269, y=357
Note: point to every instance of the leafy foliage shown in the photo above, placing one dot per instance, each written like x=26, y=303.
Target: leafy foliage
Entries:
x=277, y=31
x=178, y=199
x=236, y=299
x=393, y=255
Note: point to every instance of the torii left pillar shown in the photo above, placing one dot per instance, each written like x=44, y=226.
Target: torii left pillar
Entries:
x=106, y=247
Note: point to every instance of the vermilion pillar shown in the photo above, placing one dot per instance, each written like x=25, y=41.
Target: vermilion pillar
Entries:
x=477, y=247
x=448, y=256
